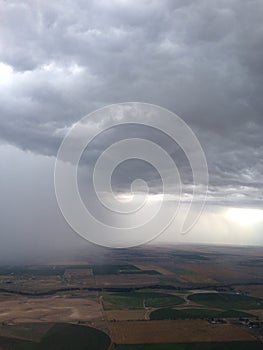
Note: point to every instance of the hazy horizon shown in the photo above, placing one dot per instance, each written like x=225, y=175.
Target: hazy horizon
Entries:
x=60, y=61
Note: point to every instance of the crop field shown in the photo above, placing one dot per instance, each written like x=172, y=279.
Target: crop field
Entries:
x=177, y=270
x=190, y=256
x=182, y=314
x=176, y=331
x=122, y=270
x=159, y=269
x=60, y=337
x=146, y=298
x=186, y=272
x=113, y=269
x=195, y=346
x=252, y=290
x=227, y=301
x=49, y=309
x=212, y=272
x=27, y=283
x=140, y=300
x=125, y=315
x=82, y=277
x=79, y=272
x=32, y=270
x=42, y=279
x=128, y=280
x=25, y=331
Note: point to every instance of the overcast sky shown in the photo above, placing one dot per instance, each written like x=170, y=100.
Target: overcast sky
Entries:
x=60, y=60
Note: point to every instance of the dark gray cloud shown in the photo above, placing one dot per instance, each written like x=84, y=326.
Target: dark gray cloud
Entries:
x=201, y=59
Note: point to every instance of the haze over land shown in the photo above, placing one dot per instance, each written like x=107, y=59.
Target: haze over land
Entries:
x=61, y=60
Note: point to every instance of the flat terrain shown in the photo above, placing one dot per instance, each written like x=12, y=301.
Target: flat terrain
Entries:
x=164, y=295
x=140, y=300
x=25, y=331
x=183, y=331
x=252, y=290
x=159, y=269
x=49, y=309
x=188, y=313
x=56, y=337
x=195, y=346
x=126, y=280
x=125, y=315
x=227, y=301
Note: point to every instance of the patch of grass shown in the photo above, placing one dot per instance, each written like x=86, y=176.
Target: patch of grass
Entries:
x=191, y=256
x=119, y=300
x=180, y=271
x=16, y=344
x=73, y=337
x=173, y=314
x=141, y=299
x=195, y=346
x=32, y=270
x=162, y=300
x=77, y=267
x=141, y=272
x=62, y=337
x=235, y=314
x=227, y=301
x=31, y=332
x=114, y=269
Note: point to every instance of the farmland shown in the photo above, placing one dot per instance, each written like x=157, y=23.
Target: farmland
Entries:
x=140, y=300
x=181, y=331
x=58, y=336
x=173, y=314
x=144, y=298
x=227, y=301
x=237, y=345
x=129, y=280
x=125, y=315
x=49, y=309
x=121, y=270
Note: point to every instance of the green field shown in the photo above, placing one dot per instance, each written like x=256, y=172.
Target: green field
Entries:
x=173, y=314
x=195, y=346
x=140, y=272
x=67, y=337
x=227, y=301
x=190, y=256
x=62, y=337
x=32, y=270
x=114, y=269
x=60, y=270
x=179, y=270
x=140, y=300
x=15, y=344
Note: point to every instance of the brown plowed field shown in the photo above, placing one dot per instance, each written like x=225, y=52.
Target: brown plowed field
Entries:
x=155, y=268
x=181, y=331
x=49, y=309
x=126, y=280
x=125, y=315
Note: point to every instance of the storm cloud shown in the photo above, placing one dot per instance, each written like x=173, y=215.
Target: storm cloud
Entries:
x=201, y=59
